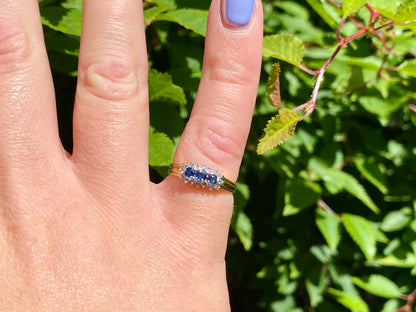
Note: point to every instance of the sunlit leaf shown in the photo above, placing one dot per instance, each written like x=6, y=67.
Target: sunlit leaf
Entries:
x=299, y=195
x=406, y=15
x=192, y=19
x=273, y=86
x=280, y=128
x=350, y=301
x=370, y=169
x=409, y=67
x=344, y=181
x=244, y=230
x=395, y=221
x=65, y=20
x=160, y=149
x=364, y=233
x=284, y=47
x=161, y=88
x=151, y=13
x=378, y=285
x=319, y=8
x=330, y=226
x=352, y=6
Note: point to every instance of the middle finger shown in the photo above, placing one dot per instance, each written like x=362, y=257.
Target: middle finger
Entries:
x=111, y=107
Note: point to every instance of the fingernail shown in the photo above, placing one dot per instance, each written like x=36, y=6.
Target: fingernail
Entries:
x=238, y=12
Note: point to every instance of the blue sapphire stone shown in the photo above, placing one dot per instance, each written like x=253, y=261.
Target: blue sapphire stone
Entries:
x=189, y=172
x=212, y=179
x=201, y=176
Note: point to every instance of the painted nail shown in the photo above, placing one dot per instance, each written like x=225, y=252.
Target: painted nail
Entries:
x=238, y=12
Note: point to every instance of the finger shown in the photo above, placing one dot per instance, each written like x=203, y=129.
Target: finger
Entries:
x=111, y=111
x=28, y=124
x=218, y=127
x=217, y=131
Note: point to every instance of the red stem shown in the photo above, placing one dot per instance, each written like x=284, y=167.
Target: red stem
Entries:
x=410, y=302
x=342, y=42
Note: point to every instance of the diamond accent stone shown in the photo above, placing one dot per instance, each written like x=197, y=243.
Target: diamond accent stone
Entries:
x=201, y=176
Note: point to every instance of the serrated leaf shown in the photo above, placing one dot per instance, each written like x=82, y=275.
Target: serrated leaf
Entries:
x=370, y=169
x=151, y=14
x=364, y=233
x=280, y=128
x=299, y=195
x=344, y=181
x=330, y=226
x=351, y=6
x=161, y=149
x=378, y=285
x=161, y=88
x=192, y=19
x=273, y=86
x=284, y=47
x=67, y=20
x=350, y=301
x=395, y=221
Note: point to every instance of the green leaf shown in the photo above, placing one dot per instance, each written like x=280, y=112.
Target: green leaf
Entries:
x=341, y=180
x=284, y=47
x=387, y=8
x=244, y=230
x=65, y=18
x=329, y=225
x=408, y=260
x=319, y=8
x=395, y=221
x=299, y=195
x=151, y=14
x=370, y=169
x=378, y=285
x=408, y=67
x=162, y=89
x=273, y=86
x=169, y=4
x=406, y=15
x=364, y=233
x=350, y=301
x=192, y=19
x=280, y=128
x=351, y=6
x=382, y=107
x=161, y=149
x=315, y=284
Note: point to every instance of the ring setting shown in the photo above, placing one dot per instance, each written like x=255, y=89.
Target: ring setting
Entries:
x=201, y=176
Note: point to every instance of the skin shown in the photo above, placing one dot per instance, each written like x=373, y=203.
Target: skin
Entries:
x=89, y=231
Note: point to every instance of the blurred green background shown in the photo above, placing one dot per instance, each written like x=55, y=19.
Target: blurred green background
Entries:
x=325, y=221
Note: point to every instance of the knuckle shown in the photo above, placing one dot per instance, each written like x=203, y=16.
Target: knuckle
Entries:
x=111, y=78
x=219, y=141
x=14, y=46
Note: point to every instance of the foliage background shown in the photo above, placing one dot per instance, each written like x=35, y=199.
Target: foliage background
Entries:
x=325, y=222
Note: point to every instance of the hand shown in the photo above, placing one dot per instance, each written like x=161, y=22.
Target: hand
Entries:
x=89, y=231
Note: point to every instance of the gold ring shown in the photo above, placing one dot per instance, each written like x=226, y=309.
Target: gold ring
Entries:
x=202, y=176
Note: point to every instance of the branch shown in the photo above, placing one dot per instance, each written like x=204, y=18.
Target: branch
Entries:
x=410, y=302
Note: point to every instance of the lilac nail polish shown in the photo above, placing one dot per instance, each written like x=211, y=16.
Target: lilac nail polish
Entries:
x=239, y=12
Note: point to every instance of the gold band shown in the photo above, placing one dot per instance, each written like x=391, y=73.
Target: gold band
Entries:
x=202, y=176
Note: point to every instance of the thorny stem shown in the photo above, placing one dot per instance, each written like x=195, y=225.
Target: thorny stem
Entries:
x=410, y=302
x=341, y=43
